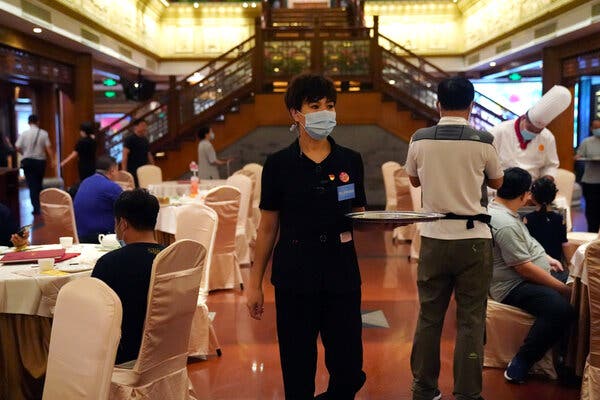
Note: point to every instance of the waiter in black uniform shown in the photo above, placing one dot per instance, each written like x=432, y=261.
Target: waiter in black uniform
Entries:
x=307, y=188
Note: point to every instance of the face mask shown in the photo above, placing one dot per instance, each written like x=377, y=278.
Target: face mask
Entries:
x=319, y=124
x=211, y=135
x=528, y=135
x=596, y=132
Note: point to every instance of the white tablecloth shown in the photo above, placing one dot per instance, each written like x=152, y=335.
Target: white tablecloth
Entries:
x=578, y=268
x=182, y=188
x=23, y=290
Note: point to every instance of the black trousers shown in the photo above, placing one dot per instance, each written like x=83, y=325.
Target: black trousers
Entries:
x=553, y=315
x=34, y=176
x=591, y=192
x=301, y=317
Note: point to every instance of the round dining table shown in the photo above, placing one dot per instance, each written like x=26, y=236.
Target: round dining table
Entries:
x=27, y=300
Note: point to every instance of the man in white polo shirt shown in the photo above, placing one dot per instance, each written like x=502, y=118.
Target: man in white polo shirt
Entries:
x=34, y=145
x=453, y=163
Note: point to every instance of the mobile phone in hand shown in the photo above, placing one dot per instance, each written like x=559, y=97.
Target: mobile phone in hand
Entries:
x=21, y=232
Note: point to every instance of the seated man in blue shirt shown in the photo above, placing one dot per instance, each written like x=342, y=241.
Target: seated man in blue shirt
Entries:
x=127, y=270
x=521, y=275
x=94, y=201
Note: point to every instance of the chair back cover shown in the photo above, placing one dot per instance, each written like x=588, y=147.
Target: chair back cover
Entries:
x=83, y=344
x=403, y=203
x=592, y=263
x=388, y=168
x=565, y=181
x=160, y=370
x=125, y=180
x=506, y=328
x=244, y=184
x=225, y=267
x=590, y=385
x=59, y=216
x=149, y=175
x=257, y=170
x=199, y=222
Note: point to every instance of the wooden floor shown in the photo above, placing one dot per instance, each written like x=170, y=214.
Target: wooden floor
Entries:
x=249, y=367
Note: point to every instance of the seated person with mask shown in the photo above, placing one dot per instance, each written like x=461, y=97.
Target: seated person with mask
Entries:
x=127, y=270
x=95, y=199
x=521, y=275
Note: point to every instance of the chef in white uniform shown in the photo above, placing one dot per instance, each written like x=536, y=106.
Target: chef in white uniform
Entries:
x=525, y=142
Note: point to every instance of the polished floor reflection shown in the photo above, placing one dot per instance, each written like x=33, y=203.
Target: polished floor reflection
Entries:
x=249, y=367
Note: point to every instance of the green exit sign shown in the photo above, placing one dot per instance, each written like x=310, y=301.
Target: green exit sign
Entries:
x=515, y=76
x=109, y=82
x=110, y=94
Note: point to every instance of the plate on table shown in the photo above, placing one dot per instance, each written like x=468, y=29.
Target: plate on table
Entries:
x=395, y=217
x=74, y=267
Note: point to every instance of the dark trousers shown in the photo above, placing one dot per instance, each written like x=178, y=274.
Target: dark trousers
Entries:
x=591, y=192
x=300, y=319
x=465, y=268
x=34, y=176
x=552, y=313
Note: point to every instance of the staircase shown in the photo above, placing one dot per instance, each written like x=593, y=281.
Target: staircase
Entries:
x=327, y=40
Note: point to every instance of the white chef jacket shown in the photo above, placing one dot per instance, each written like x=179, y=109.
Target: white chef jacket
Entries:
x=539, y=158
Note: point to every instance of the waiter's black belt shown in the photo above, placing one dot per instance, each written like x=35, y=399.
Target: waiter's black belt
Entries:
x=485, y=218
x=314, y=237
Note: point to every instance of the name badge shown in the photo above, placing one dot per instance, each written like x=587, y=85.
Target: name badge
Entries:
x=346, y=192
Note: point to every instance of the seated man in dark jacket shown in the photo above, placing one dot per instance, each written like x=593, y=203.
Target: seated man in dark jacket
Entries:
x=127, y=270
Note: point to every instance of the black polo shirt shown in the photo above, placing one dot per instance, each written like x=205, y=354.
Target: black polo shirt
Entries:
x=314, y=252
x=548, y=228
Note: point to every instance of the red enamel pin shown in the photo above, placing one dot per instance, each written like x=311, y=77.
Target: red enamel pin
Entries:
x=344, y=177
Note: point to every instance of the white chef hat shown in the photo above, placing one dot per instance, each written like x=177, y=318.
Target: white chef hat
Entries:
x=555, y=101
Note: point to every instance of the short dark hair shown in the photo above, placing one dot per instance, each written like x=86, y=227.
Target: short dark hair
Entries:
x=309, y=87
x=543, y=191
x=516, y=183
x=203, y=131
x=33, y=119
x=104, y=162
x=138, y=207
x=138, y=121
x=455, y=93
x=89, y=128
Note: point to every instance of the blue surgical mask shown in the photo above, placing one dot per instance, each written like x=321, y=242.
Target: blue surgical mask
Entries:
x=596, y=132
x=528, y=135
x=319, y=124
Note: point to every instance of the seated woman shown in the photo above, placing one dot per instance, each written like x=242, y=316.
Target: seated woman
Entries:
x=548, y=227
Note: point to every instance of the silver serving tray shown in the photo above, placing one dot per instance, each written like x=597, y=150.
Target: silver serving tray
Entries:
x=588, y=159
x=396, y=217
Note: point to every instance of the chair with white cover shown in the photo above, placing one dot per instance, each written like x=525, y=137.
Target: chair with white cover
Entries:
x=387, y=169
x=160, y=371
x=257, y=169
x=244, y=231
x=199, y=222
x=415, y=244
x=125, y=180
x=149, y=175
x=225, y=270
x=83, y=344
x=565, y=181
x=253, y=223
x=590, y=386
x=59, y=216
x=506, y=328
x=403, y=203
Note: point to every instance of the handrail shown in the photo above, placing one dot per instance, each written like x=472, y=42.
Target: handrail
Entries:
x=410, y=53
x=220, y=58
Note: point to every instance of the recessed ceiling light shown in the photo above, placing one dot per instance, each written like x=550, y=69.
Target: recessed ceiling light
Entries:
x=493, y=64
x=196, y=4
x=37, y=30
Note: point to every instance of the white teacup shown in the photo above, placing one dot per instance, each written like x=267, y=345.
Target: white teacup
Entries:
x=65, y=241
x=108, y=241
x=46, y=264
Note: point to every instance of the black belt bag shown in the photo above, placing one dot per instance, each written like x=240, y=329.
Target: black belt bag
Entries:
x=485, y=218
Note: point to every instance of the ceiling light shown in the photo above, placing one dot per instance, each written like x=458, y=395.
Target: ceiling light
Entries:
x=37, y=30
x=493, y=64
x=245, y=5
x=196, y=4
x=165, y=3
x=253, y=4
